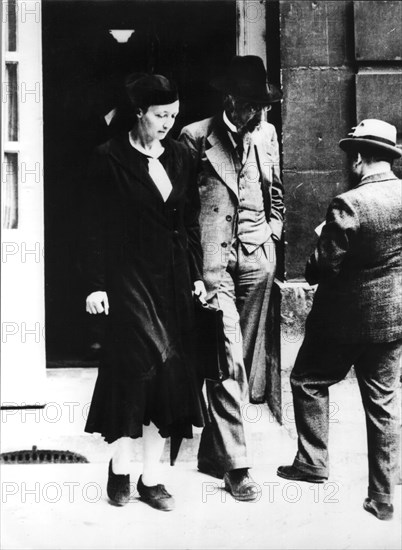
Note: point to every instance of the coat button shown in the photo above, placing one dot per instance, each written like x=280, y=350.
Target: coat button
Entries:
x=224, y=245
x=228, y=218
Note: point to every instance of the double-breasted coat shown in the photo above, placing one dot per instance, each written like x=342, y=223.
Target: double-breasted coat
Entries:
x=146, y=254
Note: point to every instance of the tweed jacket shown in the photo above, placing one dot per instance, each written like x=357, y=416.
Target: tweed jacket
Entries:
x=211, y=147
x=358, y=264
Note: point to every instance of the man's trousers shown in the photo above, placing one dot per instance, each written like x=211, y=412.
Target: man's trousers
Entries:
x=321, y=363
x=243, y=296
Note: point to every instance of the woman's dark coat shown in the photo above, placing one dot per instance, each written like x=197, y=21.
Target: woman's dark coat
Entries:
x=146, y=254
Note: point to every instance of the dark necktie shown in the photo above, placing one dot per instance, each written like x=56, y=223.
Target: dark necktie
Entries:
x=239, y=143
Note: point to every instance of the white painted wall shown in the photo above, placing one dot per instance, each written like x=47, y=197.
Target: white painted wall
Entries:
x=23, y=364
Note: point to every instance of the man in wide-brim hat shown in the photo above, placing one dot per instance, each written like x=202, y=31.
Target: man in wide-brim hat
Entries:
x=356, y=318
x=237, y=155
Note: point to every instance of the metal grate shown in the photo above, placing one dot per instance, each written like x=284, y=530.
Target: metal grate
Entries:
x=35, y=456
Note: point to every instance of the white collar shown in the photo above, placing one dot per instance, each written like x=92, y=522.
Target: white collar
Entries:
x=229, y=124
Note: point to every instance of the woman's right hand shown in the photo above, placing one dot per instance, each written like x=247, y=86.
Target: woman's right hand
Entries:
x=97, y=302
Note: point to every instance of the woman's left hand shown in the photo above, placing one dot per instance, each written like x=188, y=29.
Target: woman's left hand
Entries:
x=200, y=291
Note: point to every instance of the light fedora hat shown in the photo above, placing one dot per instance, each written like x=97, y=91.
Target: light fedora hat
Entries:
x=372, y=135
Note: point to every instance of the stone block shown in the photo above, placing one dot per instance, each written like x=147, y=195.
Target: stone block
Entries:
x=317, y=111
x=378, y=34
x=385, y=84
x=316, y=33
x=307, y=196
x=379, y=95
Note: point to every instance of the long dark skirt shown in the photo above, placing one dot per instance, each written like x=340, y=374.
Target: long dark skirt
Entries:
x=167, y=395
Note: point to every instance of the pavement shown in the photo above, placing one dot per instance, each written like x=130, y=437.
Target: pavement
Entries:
x=64, y=506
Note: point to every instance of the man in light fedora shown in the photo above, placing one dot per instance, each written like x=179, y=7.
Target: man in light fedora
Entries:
x=356, y=317
x=241, y=218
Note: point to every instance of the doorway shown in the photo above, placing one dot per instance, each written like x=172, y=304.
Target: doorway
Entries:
x=83, y=71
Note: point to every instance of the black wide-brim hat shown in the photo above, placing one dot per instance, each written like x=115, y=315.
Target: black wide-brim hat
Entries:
x=246, y=78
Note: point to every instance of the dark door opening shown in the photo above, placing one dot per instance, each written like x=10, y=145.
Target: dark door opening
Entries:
x=83, y=69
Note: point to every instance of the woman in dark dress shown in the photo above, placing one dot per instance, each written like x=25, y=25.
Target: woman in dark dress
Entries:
x=143, y=261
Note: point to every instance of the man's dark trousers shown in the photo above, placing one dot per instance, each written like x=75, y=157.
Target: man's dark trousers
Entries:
x=324, y=362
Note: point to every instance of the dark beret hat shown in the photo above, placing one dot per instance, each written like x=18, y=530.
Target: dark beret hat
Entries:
x=153, y=89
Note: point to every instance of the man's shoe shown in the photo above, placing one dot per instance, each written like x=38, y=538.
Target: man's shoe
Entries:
x=380, y=510
x=241, y=486
x=156, y=496
x=294, y=474
x=118, y=487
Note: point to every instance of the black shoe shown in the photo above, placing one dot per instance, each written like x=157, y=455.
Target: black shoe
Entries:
x=241, y=486
x=294, y=474
x=156, y=496
x=380, y=510
x=118, y=487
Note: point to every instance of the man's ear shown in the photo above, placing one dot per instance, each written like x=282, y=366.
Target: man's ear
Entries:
x=355, y=159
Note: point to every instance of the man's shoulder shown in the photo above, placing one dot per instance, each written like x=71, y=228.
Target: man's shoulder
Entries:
x=266, y=128
x=199, y=128
x=375, y=185
x=379, y=195
x=351, y=199
x=265, y=136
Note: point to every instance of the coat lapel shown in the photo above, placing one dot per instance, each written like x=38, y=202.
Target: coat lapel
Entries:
x=132, y=161
x=220, y=157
